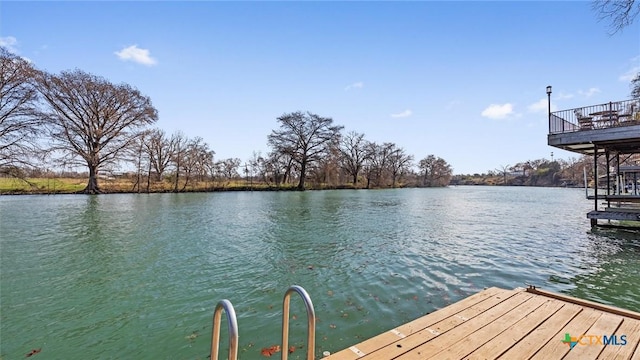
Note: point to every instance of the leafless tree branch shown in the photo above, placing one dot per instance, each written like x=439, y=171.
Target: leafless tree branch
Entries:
x=619, y=13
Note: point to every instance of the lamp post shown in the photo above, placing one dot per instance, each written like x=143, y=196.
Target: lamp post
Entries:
x=549, y=105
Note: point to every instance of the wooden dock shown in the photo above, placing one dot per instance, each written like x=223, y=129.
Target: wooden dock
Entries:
x=510, y=324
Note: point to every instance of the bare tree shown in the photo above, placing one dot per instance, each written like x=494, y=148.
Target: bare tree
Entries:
x=140, y=158
x=278, y=167
x=92, y=119
x=160, y=151
x=304, y=137
x=399, y=164
x=374, y=163
x=189, y=158
x=327, y=169
x=353, y=148
x=229, y=168
x=435, y=171
x=204, y=160
x=503, y=170
x=255, y=165
x=179, y=141
x=259, y=166
x=210, y=168
x=377, y=162
x=19, y=122
x=193, y=161
x=620, y=13
x=635, y=87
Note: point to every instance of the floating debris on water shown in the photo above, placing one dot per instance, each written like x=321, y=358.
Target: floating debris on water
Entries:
x=193, y=336
x=33, y=352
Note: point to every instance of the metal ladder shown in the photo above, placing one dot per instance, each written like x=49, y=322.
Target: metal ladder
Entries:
x=233, y=325
x=311, y=322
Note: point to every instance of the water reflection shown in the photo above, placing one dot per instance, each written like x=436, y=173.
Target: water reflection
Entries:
x=611, y=258
x=108, y=273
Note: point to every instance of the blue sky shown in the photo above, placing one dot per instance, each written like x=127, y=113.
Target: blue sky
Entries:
x=462, y=80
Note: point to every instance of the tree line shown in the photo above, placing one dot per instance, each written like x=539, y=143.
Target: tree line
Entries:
x=75, y=119
x=544, y=172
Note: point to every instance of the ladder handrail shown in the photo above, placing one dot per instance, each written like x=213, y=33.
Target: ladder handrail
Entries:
x=232, y=325
x=311, y=322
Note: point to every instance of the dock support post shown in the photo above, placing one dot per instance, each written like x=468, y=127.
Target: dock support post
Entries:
x=618, y=176
x=595, y=177
x=608, y=158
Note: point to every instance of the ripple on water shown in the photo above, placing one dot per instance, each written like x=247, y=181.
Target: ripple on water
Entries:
x=138, y=276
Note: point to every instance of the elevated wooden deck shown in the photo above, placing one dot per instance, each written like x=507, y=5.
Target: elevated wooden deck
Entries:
x=509, y=324
x=611, y=129
x=616, y=139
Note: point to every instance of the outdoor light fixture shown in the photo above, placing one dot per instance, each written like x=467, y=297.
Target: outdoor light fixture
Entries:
x=549, y=106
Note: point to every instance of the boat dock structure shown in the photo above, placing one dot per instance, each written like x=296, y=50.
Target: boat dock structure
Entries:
x=523, y=323
x=609, y=132
x=509, y=324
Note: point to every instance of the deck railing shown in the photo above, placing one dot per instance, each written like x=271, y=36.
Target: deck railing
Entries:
x=602, y=116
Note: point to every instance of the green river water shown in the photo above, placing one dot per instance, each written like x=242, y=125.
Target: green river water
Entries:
x=137, y=276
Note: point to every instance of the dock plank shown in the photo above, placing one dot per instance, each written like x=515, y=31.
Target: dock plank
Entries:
x=421, y=324
x=546, y=332
x=631, y=329
x=508, y=324
x=516, y=333
x=555, y=348
x=465, y=329
x=492, y=330
x=606, y=324
x=492, y=304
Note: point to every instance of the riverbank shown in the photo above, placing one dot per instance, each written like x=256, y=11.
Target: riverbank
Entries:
x=44, y=186
x=52, y=186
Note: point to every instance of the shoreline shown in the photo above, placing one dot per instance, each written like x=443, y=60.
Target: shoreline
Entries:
x=255, y=188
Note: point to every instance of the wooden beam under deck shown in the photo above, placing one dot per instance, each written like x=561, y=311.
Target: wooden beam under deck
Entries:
x=622, y=214
x=507, y=324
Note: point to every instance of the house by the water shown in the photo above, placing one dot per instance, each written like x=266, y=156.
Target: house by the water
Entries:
x=609, y=131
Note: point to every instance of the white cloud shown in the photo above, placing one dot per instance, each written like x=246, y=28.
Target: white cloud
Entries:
x=589, y=93
x=563, y=96
x=403, y=114
x=629, y=75
x=135, y=54
x=495, y=111
x=355, y=85
x=541, y=105
x=9, y=42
